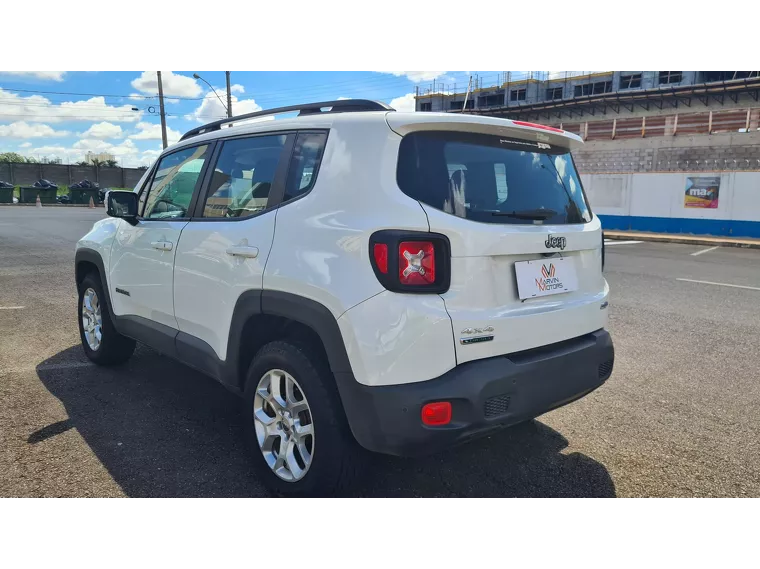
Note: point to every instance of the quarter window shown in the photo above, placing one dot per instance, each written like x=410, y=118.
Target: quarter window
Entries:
x=242, y=180
x=174, y=182
x=307, y=154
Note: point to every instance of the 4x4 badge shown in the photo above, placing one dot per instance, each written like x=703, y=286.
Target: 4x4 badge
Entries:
x=553, y=242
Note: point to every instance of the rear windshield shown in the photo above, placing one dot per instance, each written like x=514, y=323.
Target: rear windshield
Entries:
x=492, y=179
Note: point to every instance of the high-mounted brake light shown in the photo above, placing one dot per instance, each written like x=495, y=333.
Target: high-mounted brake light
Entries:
x=416, y=263
x=534, y=125
x=436, y=414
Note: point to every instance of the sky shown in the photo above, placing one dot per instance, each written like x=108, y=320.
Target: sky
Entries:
x=54, y=114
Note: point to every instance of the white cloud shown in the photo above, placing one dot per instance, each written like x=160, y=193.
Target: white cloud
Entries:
x=103, y=130
x=404, y=103
x=124, y=148
x=37, y=108
x=413, y=71
x=21, y=129
x=172, y=101
x=93, y=144
x=212, y=109
x=137, y=97
x=150, y=131
x=344, y=98
x=173, y=85
x=54, y=71
x=51, y=151
x=147, y=157
x=25, y=145
x=237, y=88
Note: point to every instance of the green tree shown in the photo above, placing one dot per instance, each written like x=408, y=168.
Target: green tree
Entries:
x=110, y=164
x=11, y=157
x=95, y=162
x=82, y=163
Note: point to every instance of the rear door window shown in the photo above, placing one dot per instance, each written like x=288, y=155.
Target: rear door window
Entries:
x=492, y=179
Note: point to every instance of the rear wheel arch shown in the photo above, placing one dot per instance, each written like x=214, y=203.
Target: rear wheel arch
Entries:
x=261, y=317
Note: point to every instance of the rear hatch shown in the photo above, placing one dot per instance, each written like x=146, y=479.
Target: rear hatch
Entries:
x=526, y=267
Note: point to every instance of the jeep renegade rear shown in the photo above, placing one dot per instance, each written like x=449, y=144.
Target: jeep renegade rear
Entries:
x=399, y=282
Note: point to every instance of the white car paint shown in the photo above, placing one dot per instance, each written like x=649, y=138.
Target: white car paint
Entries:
x=209, y=276
x=141, y=268
x=317, y=247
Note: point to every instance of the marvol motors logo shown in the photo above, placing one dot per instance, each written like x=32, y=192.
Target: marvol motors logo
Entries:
x=549, y=281
x=553, y=242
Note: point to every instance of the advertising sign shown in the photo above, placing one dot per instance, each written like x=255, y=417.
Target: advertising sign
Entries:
x=702, y=191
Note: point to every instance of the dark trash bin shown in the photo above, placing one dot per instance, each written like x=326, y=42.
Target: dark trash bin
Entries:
x=46, y=189
x=6, y=192
x=81, y=192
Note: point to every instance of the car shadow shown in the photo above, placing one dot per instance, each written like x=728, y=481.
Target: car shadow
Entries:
x=162, y=429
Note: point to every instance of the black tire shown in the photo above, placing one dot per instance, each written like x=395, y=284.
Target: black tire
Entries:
x=337, y=459
x=114, y=348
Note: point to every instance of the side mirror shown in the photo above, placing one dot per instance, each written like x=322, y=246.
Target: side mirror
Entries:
x=122, y=205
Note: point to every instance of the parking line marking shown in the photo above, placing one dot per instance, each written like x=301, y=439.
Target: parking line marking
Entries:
x=719, y=284
x=704, y=251
x=11, y=307
x=614, y=242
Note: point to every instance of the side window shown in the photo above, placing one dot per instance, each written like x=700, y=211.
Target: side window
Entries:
x=172, y=187
x=307, y=154
x=243, y=176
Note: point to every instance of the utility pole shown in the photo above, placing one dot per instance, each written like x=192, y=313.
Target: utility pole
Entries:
x=229, y=96
x=467, y=94
x=161, y=104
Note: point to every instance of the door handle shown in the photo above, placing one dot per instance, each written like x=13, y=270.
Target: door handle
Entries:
x=243, y=251
x=162, y=245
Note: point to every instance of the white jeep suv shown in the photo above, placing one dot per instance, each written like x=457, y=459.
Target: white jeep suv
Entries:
x=400, y=282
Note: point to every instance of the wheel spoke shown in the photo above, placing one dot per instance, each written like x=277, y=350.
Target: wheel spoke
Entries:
x=275, y=388
x=304, y=430
x=304, y=452
x=290, y=460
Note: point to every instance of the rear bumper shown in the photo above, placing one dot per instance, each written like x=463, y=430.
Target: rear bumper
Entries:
x=485, y=395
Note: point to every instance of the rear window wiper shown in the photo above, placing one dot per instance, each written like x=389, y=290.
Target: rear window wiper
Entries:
x=527, y=213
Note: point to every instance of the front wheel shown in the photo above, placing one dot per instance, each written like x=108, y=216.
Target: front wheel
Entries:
x=101, y=342
x=297, y=431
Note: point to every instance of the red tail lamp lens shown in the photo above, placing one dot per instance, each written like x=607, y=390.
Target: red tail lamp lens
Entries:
x=416, y=263
x=436, y=414
x=380, y=251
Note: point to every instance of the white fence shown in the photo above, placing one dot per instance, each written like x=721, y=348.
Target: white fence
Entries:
x=710, y=203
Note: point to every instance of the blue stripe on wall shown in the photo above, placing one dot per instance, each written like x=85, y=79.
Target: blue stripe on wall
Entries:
x=726, y=227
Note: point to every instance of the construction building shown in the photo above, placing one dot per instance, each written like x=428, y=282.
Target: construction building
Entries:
x=631, y=120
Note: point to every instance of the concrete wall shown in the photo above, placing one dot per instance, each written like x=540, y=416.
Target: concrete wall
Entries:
x=655, y=202
x=27, y=174
x=671, y=153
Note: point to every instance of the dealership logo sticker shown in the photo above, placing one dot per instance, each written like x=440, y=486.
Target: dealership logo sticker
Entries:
x=549, y=280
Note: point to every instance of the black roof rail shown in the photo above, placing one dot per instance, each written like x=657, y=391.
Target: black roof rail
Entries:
x=342, y=106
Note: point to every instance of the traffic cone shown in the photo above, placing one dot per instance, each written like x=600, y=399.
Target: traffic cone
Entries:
x=92, y=204
x=39, y=203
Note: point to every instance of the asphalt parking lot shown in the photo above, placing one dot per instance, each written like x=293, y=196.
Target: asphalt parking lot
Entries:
x=677, y=418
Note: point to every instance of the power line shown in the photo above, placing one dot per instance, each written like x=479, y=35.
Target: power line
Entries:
x=362, y=83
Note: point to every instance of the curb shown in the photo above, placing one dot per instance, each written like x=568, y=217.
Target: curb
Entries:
x=696, y=240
